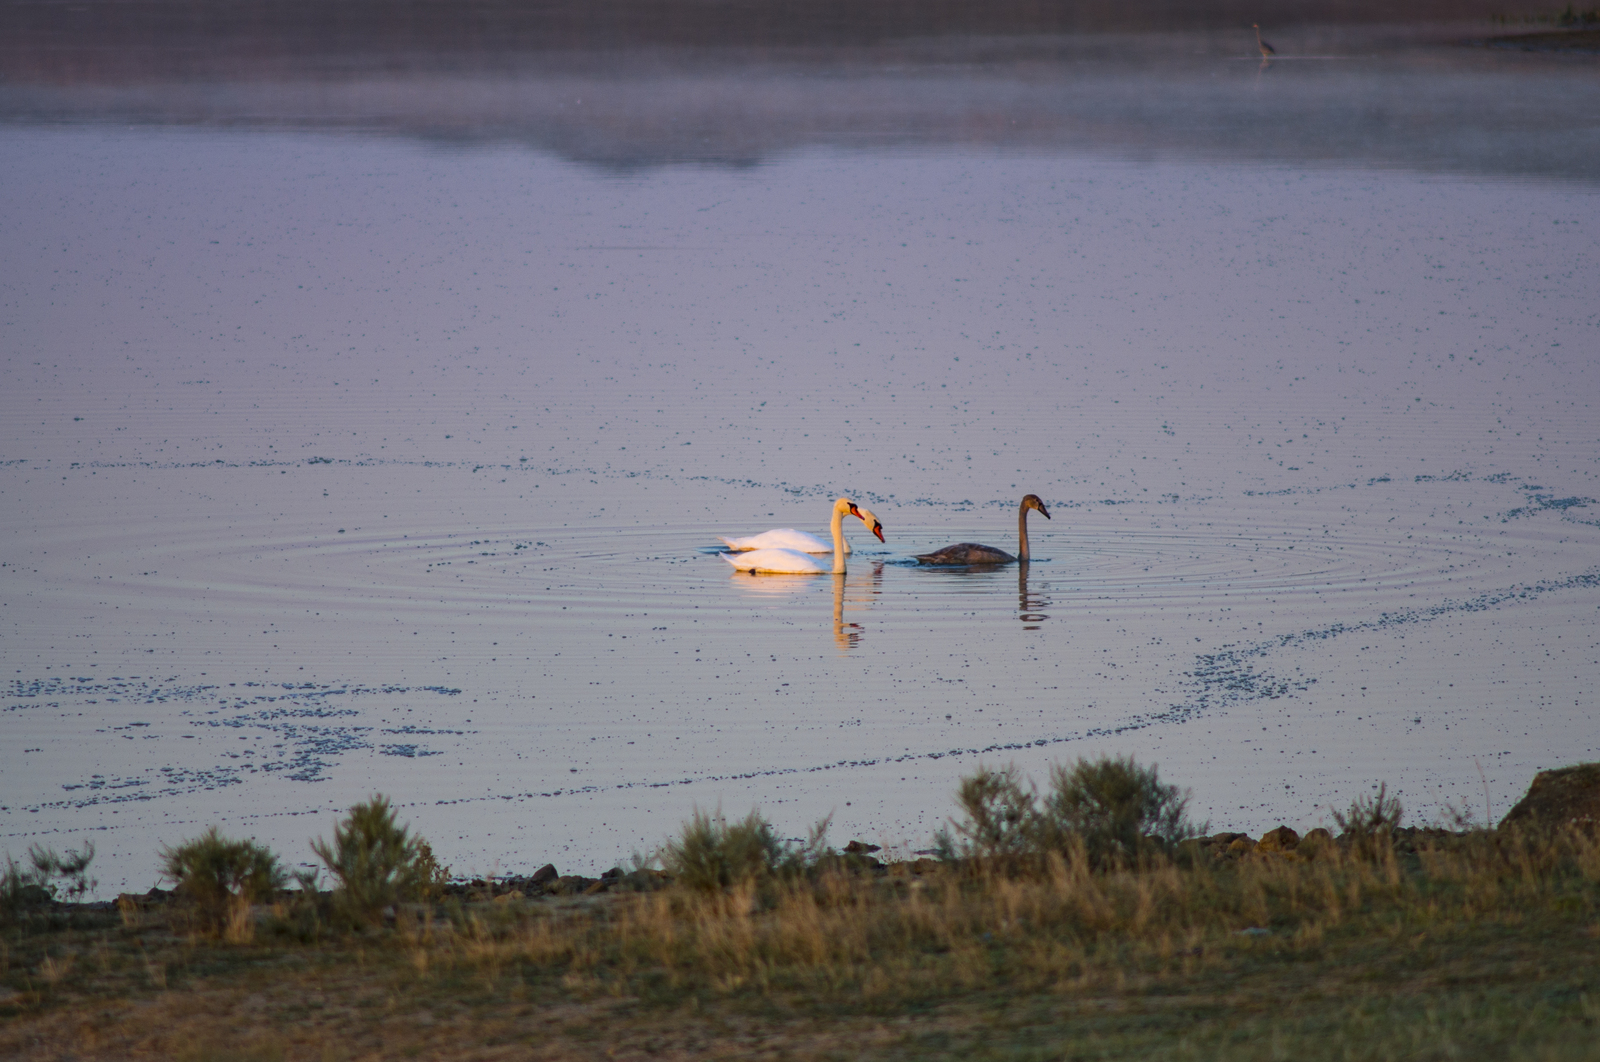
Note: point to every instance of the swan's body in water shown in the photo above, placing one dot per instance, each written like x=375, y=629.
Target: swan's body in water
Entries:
x=781, y=538
x=793, y=561
x=973, y=553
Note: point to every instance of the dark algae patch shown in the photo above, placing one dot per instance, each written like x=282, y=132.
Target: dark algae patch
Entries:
x=292, y=730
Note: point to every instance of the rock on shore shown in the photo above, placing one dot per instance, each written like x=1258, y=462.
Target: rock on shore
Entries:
x=1568, y=796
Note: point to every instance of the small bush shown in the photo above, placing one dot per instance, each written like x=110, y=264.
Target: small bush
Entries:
x=19, y=891
x=712, y=853
x=1112, y=810
x=375, y=860
x=432, y=876
x=50, y=877
x=222, y=878
x=1119, y=809
x=1000, y=819
x=1370, y=822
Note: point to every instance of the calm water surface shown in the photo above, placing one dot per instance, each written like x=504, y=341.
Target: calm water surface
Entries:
x=343, y=456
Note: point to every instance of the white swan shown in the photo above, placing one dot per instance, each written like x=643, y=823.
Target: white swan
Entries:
x=780, y=538
x=793, y=561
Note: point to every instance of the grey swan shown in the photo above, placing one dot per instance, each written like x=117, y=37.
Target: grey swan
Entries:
x=973, y=553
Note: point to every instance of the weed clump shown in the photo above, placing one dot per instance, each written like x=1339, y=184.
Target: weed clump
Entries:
x=1000, y=819
x=1368, y=826
x=221, y=878
x=432, y=876
x=711, y=853
x=376, y=862
x=1110, y=811
x=1118, y=809
x=49, y=877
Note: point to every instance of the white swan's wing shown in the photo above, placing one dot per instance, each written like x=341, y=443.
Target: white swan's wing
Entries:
x=774, y=560
x=781, y=538
x=789, y=538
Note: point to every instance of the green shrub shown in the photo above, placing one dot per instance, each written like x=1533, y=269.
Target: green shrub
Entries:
x=999, y=818
x=375, y=860
x=432, y=875
x=1370, y=822
x=19, y=891
x=712, y=853
x=50, y=877
x=219, y=877
x=1118, y=809
x=1112, y=810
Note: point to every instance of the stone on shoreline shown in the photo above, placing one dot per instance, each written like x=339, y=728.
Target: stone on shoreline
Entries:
x=1568, y=796
x=571, y=885
x=912, y=868
x=1282, y=839
x=1314, y=843
x=645, y=879
x=1224, y=845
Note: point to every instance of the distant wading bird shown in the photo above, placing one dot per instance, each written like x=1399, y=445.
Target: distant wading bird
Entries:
x=1267, y=50
x=793, y=561
x=972, y=553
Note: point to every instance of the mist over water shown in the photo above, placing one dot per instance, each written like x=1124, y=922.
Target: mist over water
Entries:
x=371, y=429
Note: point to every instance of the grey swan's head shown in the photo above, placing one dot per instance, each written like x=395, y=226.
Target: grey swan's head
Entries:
x=1033, y=501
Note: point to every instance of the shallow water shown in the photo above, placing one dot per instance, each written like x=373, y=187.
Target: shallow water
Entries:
x=337, y=460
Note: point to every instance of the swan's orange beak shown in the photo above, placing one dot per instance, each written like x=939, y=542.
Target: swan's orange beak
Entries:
x=867, y=518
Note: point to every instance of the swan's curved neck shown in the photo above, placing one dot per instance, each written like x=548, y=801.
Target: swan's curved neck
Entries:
x=838, y=541
x=1022, y=534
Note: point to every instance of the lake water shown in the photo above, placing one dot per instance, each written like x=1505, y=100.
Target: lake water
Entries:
x=373, y=432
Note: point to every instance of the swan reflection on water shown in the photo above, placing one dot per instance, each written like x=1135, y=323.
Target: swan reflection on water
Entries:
x=988, y=579
x=848, y=635
x=1030, y=606
x=845, y=635
x=848, y=590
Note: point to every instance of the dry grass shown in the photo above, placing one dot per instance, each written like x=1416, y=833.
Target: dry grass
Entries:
x=1476, y=946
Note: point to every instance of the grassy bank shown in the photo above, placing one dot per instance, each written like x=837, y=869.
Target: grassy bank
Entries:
x=1477, y=944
